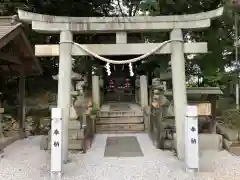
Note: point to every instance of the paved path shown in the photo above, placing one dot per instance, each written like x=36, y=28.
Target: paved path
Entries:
x=24, y=161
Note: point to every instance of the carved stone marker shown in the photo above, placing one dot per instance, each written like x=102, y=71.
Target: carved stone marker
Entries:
x=191, y=138
x=56, y=144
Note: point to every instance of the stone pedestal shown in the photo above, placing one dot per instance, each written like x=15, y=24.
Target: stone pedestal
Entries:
x=75, y=135
x=143, y=91
x=96, y=90
x=75, y=138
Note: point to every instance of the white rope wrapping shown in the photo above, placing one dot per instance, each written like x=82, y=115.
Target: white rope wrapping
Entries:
x=125, y=61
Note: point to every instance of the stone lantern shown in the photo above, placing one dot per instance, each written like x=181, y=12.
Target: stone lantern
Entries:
x=75, y=131
x=75, y=77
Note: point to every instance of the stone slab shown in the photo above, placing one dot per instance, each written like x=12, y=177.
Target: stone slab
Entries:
x=207, y=142
x=120, y=127
x=122, y=146
x=120, y=113
x=74, y=124
x=120, y=120
x=72, y=144
x=119, y=107
x=118, y=132
x=72, y=134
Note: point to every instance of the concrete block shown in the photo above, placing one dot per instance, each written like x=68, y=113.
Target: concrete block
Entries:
x=72, y=134
x=72, y=144
x=120, y=113
x=74, y=124
x=120, y=127
x=210, y=142
x=207, y=142
x=120, y=120
x=75, y=137
x=44, y=143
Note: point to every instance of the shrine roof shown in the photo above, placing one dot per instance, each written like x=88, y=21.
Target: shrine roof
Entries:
x=15, y=49
x=199, y=90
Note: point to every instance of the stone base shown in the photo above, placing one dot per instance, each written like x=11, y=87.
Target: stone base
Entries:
x=72, y=144
x=119, y=127
x=207, y=142
x=75, y=138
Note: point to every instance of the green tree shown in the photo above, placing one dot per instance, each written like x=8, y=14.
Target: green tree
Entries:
x=219, y=36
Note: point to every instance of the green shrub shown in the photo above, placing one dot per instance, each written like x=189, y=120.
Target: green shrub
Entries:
x=94, y=109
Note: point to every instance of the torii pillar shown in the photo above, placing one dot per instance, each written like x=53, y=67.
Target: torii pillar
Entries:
x=179, y=89
x=64, y=86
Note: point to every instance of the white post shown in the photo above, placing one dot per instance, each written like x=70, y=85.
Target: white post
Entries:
x=64, y=85
x=96, y=90
x=56, y=144
x=143, y=91
x=179, y=88
x=191, y=139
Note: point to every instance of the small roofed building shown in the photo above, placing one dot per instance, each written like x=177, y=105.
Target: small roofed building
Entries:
x=204, y=97
x=16, y=59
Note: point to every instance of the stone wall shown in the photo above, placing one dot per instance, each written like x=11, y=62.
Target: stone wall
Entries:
x=34, y=125
x=38, y=114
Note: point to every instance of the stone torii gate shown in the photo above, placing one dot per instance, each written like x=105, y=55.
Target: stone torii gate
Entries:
x=66, y=26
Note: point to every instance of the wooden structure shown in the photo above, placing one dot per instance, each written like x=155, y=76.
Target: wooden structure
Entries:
x=16, y=58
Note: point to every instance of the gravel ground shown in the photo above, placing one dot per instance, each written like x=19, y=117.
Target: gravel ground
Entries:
x=24, y=160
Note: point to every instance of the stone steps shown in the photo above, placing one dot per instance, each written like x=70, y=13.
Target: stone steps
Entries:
x=119, y=127
x=118, y=132
x=120, y=120
x=107, y=114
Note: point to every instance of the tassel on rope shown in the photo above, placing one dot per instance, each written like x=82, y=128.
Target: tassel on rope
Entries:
x=107, y=66
x=130, y=69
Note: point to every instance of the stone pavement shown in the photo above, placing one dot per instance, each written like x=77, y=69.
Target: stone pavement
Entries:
x=122, y=146
x=24, y=160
